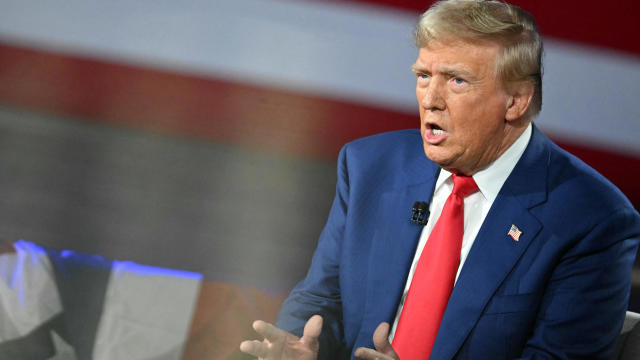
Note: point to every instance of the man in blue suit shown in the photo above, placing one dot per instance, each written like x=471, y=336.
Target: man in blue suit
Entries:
x=548, y=244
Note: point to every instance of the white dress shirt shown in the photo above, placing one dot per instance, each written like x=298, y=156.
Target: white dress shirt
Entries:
x=476, y=205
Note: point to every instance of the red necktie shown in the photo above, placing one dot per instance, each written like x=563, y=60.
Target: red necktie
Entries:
x=434, y=277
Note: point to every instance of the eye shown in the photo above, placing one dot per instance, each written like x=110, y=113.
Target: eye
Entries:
x=422, y=79
x=458, y=81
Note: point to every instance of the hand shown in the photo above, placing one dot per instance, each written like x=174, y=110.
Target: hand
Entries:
x=281, y=345
x=383, y=350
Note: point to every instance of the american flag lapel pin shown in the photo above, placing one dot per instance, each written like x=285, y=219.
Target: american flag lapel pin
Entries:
x=515, y=233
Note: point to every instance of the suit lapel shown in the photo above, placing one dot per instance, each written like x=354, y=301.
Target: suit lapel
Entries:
x=393, y=246
x=494, y=253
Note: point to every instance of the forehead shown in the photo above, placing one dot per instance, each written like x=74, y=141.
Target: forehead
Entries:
x=475, y=57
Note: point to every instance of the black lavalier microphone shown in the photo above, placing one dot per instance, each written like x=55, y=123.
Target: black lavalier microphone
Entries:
x=420, y=213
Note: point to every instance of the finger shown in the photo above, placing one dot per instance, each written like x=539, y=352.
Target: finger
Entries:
x=312, y=330
x=254, y=347
x=381, y=340
x=370, y=354
x=268, y=331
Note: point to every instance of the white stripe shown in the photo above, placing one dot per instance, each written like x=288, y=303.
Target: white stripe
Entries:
x=147, y=313
x=358, y=53
x=331, y=50
x=28, y=292
x=591, y=96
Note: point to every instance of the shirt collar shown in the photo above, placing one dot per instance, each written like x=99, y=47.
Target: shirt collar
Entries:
x=491, y=178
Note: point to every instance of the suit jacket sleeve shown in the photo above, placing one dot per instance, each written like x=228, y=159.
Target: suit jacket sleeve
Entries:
x=584, y=303
x=319, y=292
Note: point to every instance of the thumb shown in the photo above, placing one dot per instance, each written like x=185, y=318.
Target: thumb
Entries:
x=312, y=329
x=381, y=340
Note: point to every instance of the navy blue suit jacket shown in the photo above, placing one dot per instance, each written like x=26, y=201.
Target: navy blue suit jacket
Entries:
x=561, y=291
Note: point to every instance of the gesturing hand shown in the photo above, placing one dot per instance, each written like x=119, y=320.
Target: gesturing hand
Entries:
x=383, y=350
x=281, y=345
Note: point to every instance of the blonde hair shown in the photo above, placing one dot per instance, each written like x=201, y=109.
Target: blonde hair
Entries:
x=509, y=26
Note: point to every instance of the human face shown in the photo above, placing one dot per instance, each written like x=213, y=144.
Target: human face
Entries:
x=462, y=105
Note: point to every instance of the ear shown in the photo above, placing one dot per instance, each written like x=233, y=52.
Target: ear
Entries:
x=519, y=100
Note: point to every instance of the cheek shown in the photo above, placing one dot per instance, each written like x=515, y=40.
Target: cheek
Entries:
x=419, y=95
x=466, y=116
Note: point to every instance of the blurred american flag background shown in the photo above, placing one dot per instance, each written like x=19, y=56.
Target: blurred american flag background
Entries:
x=201, y=136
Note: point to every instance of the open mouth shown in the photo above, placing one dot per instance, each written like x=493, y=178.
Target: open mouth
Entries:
x=434, y=134
x=436, y=130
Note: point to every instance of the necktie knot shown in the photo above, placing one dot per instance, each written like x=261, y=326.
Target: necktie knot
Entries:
x=463, y=186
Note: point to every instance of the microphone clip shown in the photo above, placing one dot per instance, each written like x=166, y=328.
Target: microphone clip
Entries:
x=420, y=213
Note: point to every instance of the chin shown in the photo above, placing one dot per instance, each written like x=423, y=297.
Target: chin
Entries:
x=436, y=156
x=443, y=162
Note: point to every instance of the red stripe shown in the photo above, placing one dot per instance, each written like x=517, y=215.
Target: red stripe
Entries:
x=610, y=24
x=247, y=115
x=238, y=114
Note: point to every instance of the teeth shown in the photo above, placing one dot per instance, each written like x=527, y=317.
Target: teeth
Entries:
x=437, y=132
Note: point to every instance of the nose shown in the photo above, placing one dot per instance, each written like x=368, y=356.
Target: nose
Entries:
x=431, y=98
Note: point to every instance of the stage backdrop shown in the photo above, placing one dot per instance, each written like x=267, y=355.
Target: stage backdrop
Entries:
x=202, y=135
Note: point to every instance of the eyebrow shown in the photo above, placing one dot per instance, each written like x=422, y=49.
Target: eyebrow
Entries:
x=446, y=70
x=417, y=69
